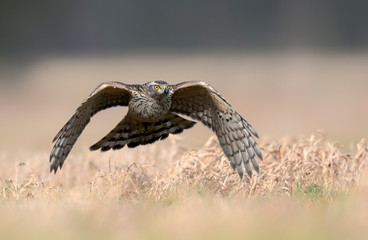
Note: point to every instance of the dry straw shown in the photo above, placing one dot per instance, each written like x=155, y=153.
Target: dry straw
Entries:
x=290, y=166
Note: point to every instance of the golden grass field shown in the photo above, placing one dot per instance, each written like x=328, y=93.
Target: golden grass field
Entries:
x=312, y=184
x=307, y=188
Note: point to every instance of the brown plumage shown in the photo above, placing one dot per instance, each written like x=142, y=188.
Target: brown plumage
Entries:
x=152, y=115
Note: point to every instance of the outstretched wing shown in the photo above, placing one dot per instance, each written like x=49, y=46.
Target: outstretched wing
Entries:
x=106, y=95
x=200, y=101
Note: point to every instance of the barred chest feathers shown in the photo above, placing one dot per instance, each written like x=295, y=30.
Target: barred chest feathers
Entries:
x=144, y=108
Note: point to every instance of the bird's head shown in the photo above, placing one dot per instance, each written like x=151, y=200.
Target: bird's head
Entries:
x=158, y=89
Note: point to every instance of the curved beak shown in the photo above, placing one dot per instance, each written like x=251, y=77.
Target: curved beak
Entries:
x=166, y=90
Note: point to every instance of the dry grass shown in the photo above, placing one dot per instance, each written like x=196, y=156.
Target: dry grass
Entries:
x=315, y=187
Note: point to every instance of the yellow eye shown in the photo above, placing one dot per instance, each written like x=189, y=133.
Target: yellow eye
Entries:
x=168, y=87
x=157, y=87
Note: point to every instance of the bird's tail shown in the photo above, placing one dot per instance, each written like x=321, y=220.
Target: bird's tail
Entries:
x=132, y=133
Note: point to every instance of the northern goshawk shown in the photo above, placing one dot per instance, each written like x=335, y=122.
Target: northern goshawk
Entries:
x=152, y=115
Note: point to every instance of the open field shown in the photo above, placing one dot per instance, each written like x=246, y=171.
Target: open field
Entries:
x=307, y=188
x=312, y=186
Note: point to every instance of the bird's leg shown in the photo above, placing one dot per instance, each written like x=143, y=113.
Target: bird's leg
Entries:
x=145, y=127
x=149, y=127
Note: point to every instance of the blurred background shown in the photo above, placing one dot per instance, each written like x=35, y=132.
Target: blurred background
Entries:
x=289, y=67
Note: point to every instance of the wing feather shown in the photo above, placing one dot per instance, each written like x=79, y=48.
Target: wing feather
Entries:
x=128, y=132
x=106, y=95
x=202, y=102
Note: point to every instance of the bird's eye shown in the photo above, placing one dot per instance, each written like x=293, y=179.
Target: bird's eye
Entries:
x=168, y=87
x=157, y=87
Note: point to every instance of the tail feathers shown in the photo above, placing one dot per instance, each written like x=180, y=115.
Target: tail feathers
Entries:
x=133, y=134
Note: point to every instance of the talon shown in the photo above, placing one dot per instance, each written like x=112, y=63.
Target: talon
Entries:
x=149, y=127
x=142, y=129
x=146, y=127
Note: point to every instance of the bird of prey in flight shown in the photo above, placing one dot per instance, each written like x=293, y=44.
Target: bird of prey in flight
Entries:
x=152, y=115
